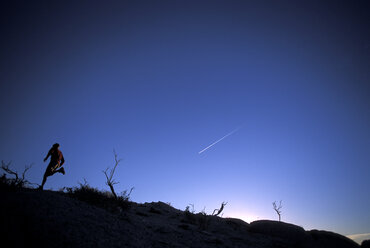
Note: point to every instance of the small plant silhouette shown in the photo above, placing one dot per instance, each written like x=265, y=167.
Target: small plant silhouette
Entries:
x=277, y=209
x=218, y=211
x=104, y=199
x=125, y=195
x=187, y=210
x=18, y=181
x=110, y=181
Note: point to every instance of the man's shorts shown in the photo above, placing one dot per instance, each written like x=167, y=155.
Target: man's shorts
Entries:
x=52, y=167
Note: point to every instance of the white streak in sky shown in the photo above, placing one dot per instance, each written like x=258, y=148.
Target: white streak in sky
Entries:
x=214, y=143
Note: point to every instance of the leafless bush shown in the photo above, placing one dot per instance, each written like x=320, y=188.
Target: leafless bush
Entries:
x=94, y=196
x=125, y=195
x=218, y=211
x=109, y=176
x=201, y=219
x=17, y=181
x=187, y=209
x=277, y=209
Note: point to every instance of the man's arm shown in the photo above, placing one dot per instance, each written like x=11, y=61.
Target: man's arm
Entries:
x=47, y=156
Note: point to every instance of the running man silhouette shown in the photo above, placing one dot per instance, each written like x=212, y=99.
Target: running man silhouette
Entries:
x=56, y=161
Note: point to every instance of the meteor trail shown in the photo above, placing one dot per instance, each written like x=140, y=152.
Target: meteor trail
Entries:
x=214, y=143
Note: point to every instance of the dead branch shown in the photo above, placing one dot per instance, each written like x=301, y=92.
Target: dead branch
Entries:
x=84, y=184
x=277, y=209
x=126, y=195
x=110, y=181
x=26, y=168
x=17, y=181
x=223, y=204
x=188, y=208
x=5, y=167
x=129, y=193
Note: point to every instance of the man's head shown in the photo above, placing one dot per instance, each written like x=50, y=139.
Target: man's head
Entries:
x=56, y=146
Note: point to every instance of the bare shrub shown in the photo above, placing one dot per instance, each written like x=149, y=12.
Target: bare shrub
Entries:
x=200, y=219
x=218, y=211
x=18, y=181
x=277, y=209
x=109, y=176
x=187, y=209
x=103, y=199
x=126, y=194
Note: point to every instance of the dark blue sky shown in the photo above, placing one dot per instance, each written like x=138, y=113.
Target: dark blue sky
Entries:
x=159, y=81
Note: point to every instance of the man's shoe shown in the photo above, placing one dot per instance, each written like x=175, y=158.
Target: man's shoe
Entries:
x=62, y=171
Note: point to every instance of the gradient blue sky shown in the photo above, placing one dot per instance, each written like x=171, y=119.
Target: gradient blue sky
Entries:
x=159, y=81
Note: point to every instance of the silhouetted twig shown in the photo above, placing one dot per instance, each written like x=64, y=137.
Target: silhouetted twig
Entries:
x=223, y=204
x=17, y=181
x=277, y=209
x=110, y=181
x=125, y=195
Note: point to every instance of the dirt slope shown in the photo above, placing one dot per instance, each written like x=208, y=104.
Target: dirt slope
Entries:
x=53, y=219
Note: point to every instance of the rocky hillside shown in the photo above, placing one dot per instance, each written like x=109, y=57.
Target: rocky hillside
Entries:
x=58, y=219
